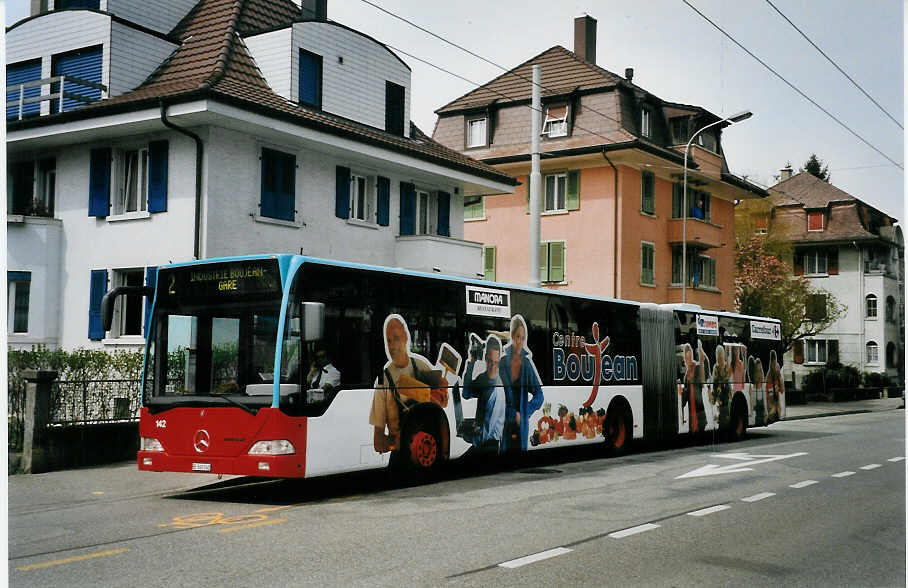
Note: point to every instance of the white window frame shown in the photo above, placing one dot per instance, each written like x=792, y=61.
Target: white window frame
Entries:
x=429, y=208
x=646, y=122
x=652, y=247
x=559, y=178
x=478, y=138
x=871, y=307
x=554, y=127
x=816, y=255
x=872, y=353
x=119, y=182
x=705, y=260
x=815, y=346
x=367, y=212
x=118, y=325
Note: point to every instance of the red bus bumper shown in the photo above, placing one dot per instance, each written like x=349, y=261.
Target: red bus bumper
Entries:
x=218, y=440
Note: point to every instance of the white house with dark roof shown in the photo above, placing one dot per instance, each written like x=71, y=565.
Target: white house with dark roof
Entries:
x=855, y=252
x=212, y=128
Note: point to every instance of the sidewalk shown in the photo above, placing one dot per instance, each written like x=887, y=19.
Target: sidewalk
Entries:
x=823, y=409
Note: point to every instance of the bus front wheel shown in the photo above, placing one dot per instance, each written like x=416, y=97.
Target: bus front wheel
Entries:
x=738, y=430
x=422, y=445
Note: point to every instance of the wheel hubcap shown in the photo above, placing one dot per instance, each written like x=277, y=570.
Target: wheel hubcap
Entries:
x=423, y=449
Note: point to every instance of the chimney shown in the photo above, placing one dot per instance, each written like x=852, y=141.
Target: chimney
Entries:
x=629, y=74
x=37, y=7
x=315, y=9
x=585, y=38
x=786, y=173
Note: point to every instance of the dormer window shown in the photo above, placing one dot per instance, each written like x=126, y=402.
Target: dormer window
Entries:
x=477, y=132
x=679, y=128
x=815, y=221
x=646, y=122
x=555, y=124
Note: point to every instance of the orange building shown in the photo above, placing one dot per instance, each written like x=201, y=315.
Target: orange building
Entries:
x=611, y=198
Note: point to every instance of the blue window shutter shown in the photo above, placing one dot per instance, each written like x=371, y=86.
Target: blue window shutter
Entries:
x=407, y=208
x=84, y=64
x=99, y=183
x=151, y=278
x=278, y=185
x=19, y=73
x=287, y=199
x=342, y=193
x=310, y=79
x=384, y=201
x=98, y=289
x=157, y=176
x=444, y=214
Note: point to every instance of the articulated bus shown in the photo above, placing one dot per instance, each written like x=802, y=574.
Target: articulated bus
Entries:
x=291, y=366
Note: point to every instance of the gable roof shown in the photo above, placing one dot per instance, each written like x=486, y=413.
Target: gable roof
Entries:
x=562, y=73
x=212, y=61
x=808, y=190
x=847, y=216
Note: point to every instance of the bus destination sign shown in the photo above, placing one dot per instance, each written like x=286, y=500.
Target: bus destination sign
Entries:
x=223, y=280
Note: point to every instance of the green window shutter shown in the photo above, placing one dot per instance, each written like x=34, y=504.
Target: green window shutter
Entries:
x=646, y=263
x=573, y=190
x=488, y=254
x=556, y=261
x=544, y=262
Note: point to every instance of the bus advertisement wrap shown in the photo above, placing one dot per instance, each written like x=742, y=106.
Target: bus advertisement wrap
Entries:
x=329, y=367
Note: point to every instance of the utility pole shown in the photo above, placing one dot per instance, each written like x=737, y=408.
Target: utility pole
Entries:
x=535, y=178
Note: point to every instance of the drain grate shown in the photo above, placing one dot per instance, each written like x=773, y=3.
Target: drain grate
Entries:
x=544, y=471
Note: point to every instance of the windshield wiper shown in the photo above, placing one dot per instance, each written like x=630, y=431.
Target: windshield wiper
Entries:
x=236, y=402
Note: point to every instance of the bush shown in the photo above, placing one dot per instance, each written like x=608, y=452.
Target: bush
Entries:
x=836, y=380
x=876, y=380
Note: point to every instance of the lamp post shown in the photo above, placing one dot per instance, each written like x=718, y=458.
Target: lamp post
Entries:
x=730, y=119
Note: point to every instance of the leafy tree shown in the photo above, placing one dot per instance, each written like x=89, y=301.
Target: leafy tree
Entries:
x=766, y=286
x=816, y=167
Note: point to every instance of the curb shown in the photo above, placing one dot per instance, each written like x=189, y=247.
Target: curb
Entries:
x=838, y=413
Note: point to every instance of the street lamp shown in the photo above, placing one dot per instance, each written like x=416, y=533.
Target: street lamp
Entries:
x=730, y=119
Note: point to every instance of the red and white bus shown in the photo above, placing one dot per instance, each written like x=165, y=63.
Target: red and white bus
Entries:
x=290, y=366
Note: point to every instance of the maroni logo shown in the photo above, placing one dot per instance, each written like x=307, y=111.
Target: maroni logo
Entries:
x=492, y=298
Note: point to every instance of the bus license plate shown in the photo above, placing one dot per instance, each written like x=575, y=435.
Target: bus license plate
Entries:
x=201, y=467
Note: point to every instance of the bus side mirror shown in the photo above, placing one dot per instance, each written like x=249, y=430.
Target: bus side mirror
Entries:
x=312, y=316
x=107, y=303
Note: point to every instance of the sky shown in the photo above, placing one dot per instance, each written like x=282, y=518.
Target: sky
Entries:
x=680, y=57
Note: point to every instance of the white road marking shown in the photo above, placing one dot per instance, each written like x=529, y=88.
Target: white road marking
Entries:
x=896, y=459
x=804, y=484
x=759, y=496
x=745, y=460
x=633, y=531
x=843, y=474
x=872, y=466
x=707, y=511
x=522, y=561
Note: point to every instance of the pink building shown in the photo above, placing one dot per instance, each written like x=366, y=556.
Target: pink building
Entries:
x=611, y=186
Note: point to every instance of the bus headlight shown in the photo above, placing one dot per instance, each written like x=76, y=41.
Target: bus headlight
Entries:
x=274, y=447
x=150, y=444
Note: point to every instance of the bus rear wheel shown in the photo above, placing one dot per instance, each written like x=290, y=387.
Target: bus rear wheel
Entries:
x=617, y=431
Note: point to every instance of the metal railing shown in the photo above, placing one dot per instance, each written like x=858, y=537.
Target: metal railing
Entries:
x=94, y=401
x=59, y=95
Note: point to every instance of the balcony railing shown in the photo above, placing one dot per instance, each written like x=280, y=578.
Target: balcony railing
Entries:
x=22, y=100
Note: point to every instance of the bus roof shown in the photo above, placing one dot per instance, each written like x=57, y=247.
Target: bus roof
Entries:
x=285, y=260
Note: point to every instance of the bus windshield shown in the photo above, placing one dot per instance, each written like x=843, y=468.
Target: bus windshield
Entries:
x=215, y=331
